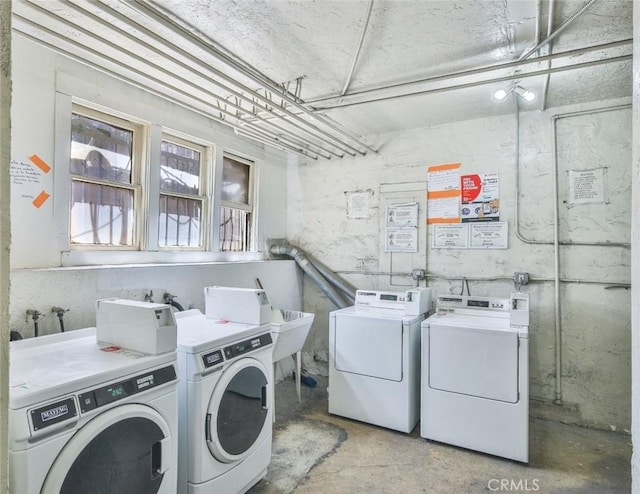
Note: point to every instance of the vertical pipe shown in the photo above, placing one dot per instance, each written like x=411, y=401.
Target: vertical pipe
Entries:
x=556, y=256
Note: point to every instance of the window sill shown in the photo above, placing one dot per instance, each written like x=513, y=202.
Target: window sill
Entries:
x=116, y=259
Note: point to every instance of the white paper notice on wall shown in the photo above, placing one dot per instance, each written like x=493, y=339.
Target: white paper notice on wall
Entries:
x=402, y=215
x=402, y=239
x=358, y=204
x=587, y=186
x=490, y=235
x=451, y=236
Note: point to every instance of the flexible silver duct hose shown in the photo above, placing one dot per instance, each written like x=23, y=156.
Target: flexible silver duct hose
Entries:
x=344, y=286
x=310, y=270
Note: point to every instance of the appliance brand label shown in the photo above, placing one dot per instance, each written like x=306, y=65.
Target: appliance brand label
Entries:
x=54, y=413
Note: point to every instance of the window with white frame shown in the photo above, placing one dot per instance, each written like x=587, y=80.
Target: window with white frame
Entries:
x=182, y=200
x=105, y=175
x=236, y=209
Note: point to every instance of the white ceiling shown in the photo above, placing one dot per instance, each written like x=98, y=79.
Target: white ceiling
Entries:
x=407, y=72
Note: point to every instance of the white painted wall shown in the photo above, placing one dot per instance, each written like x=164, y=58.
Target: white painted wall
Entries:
x=635, y=266
x=39, y=282
x=5, y=230
x=595, y=311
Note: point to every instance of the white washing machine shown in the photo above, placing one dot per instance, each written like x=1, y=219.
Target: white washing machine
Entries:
x=475, y=374
x=374, y=358
x=86, y=417
x=225, y=396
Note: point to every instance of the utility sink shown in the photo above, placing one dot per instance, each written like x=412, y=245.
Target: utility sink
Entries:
x=289, y=329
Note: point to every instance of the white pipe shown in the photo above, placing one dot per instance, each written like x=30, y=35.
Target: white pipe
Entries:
x=464, y=73
x=267, y=135
x=561, y=28
x=357, y=55
x=154, y=11
x=117, y=75
x=324, y=105
x=518, y=233
x=547, y=79
x=181, y=63
x=556, y=263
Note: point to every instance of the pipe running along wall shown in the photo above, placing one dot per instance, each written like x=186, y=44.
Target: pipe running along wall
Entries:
x=322, y=276
x=556, y=242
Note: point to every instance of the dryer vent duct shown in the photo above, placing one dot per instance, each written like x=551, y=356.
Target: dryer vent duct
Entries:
x=339, y=291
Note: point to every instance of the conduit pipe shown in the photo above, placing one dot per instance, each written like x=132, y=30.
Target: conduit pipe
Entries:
x=554, y=157
x=561, y=28
x=358, y=50
x=520, y=75
x=301, y=259
x=184, y=80
x=153, y=11
x=132, y=82
x=332, y=102
x=556, y=230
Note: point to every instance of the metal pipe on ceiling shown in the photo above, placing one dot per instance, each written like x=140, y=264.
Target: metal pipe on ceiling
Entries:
x=358, y=50
x=332, y=102
x=157, y=13
x=561, y=28
x=203, y=74
x=132, y=82
x=303, y=144
x=547, y=79
x=521, y=75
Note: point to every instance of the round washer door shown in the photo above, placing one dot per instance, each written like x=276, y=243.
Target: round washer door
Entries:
x=238, y=411
x=125, y=449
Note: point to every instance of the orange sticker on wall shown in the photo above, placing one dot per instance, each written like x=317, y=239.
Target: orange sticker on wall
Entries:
x=41, y=199
x=40, y=163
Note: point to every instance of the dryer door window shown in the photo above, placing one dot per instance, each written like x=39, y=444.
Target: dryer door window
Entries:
x=238, y=411
x=125, y=449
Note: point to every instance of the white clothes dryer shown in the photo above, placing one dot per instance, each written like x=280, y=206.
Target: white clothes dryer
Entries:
x=225, y=396
x=475, y=375
x=374, y=359
x=87, y=417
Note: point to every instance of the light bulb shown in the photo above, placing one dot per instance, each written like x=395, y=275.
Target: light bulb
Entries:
x=529, y=95
x=500, y=94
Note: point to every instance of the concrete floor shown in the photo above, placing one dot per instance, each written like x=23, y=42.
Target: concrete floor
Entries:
x=314, y=452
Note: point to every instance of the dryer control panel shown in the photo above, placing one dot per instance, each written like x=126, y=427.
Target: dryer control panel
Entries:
x=412, y=302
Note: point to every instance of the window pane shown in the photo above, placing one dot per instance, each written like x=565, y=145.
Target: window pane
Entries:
x=234, y=228
x=179, y=222
x=100, y=150
x=101, y=214
x=179, y=169
x=235, y=181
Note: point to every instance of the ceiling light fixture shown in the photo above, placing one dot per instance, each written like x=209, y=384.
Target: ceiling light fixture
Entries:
x=525, y=94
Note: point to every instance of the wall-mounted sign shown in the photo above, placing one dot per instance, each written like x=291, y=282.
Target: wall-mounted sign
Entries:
x=586, y=186
x=480, y=197
x=443, y=193
x=493, y=235
x=450, y=236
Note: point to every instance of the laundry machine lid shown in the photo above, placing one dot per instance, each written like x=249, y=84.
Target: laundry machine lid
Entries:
x=473, y=361
x=379, y=312
x=53, y=366
x=124, y=449
x=196, y=333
